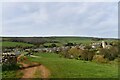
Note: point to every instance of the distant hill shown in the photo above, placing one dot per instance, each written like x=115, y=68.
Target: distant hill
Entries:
x=54, y=39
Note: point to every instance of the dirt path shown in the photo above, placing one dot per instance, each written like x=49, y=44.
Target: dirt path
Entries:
x=29, y=72
x=30, y=69
x=44, y=71
x=34, y=56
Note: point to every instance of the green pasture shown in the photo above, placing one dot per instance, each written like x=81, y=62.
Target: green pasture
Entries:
x=73, y=40
x=71, y=68
x=14, y=44
x=57, y=44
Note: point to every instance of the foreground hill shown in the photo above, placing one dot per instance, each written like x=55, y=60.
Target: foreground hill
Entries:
x=60, y=67
x=69, y=68
x=66, y=63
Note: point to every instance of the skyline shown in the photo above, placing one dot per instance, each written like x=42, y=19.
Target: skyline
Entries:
x=95, y=19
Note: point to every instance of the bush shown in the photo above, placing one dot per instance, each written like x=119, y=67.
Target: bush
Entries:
x=110, y=54
x=53, y=45
x=81, y=54
x=87, y=55
x=90, y=55
x=69, y=44
x=88, y=47
x=21, y=59
x=8, y=67
x=99, y=58
x=117, y=60
x=65, y=54
x=74, y=52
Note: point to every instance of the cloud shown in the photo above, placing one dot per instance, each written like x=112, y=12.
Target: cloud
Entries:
x=59, y=1
x=65, y=18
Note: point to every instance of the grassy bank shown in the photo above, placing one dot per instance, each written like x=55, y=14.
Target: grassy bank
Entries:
x=70, y=68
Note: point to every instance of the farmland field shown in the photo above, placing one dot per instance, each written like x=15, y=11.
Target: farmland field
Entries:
x=71, y=68
x=60, y=40
x=74, y=39
x=14, y=44
x=57, y=65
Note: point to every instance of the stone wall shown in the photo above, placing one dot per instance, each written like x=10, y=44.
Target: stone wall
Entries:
x=9, y=58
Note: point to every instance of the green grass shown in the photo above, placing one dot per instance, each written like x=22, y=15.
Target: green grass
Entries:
x=9, y=74
x=57, y=44
x=10, y=71
x=73, y=40
x=64, y=40
x=71, y=68
x=12, y=74
x=14, y=44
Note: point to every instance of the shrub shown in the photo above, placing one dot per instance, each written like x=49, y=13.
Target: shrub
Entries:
x=90, y=55
x=81, y=54
x=87, y=55
x=78, y=54
x=21, y=59
x=99, y=58
x=110, y=54
x=84, y=55
x=53, y=45
x=69, y=44
x=74, y=51
x=88, y=47
x=8, y=67
x=117, y=60
x=65, y=54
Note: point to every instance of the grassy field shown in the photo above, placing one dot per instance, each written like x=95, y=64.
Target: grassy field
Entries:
x=8, y=74
x=60, y=40
x=11, y=73
x=57, y=44
x=73, y=40
x=66, y=68
x=14, y=44
x=71, y=68
x=77, y=40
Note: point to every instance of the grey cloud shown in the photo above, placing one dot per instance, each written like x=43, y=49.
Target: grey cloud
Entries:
x=90, y=19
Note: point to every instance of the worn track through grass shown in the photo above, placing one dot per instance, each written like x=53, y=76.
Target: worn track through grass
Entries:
x=29, y=70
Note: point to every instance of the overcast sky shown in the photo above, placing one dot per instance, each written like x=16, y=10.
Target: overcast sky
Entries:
x=97, y=19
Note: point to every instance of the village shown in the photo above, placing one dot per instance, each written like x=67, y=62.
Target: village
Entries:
x=10, y=55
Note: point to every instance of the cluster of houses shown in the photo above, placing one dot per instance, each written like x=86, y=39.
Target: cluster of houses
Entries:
x=11, y=57
x=102, y=44
x=55, y=49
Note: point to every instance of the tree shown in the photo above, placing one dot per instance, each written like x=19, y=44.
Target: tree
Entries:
x=53, y=45
x=69, y=44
